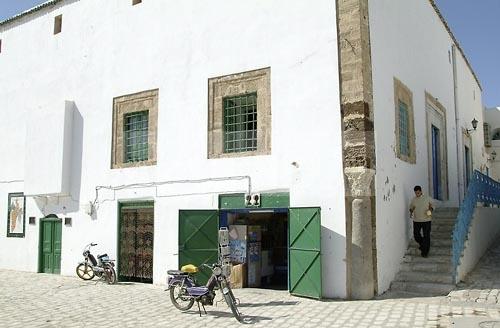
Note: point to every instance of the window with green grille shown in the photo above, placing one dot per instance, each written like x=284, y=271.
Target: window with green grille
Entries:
x=135, y=126
x=240, y=123
x=404, y=136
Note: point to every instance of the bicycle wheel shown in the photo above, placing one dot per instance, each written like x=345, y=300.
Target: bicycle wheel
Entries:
x=85, y=271
x=110, y=275
x=179, y=297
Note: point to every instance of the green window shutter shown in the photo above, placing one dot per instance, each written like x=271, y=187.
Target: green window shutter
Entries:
x=305, y=252
x=240, y=123
x=135, y=128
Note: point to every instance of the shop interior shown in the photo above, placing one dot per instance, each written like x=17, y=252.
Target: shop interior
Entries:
x=259, y=247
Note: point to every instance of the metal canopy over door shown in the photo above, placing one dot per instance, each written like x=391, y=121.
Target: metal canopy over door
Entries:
x=136, y=232
x=305, y=252
x=198, y=242
x=50, y=245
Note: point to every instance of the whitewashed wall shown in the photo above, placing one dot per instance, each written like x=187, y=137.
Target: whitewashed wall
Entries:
x=470, y=106
x=410, y=42
x=111, y=48
x=492, y=116
x=484, y=230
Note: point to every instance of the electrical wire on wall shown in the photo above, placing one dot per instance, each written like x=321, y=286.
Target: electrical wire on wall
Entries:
x=155, y=185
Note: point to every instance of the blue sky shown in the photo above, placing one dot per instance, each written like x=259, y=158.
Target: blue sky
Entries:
x=475, y=23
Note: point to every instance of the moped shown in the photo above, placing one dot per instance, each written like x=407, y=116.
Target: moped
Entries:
x=103, y=267
x=184, y=290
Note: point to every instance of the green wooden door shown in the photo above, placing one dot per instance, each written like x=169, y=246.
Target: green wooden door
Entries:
x=51, y=233
x=198, y=241
x=305, y=252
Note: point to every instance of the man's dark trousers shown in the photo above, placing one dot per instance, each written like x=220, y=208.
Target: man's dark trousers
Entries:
x=425, y=241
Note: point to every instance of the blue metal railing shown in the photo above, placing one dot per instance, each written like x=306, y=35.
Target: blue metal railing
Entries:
x=481, y=189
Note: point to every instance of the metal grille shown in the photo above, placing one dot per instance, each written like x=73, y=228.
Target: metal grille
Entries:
x=136, y=136
x=136, y=244
x=404, y=144
x=240, y=123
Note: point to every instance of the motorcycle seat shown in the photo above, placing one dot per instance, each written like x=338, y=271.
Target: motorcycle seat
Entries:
x=101, y=256
x=177, y=273
x=197, y=291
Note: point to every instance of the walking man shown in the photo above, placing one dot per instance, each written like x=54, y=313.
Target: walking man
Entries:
x=421, y=213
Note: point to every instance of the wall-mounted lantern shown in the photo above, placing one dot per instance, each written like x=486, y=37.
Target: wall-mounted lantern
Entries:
x=474, y=125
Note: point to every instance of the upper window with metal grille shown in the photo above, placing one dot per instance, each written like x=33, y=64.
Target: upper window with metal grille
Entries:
x=404, y=136
x=240, y=123
x=239, y=114
x=405, y=126
x=135, y=129
x=136, y=136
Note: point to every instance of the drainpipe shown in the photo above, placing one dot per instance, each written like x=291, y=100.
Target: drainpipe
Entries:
x=458, y=129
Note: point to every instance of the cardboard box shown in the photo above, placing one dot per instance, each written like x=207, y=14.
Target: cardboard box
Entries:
x=238, y=276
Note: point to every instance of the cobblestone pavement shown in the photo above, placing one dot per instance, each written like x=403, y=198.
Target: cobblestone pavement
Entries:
x=41, y=300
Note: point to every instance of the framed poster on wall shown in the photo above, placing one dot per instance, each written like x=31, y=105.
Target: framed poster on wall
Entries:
x=16, y=215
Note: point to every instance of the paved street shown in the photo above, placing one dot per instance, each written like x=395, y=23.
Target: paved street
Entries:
x=40, y=300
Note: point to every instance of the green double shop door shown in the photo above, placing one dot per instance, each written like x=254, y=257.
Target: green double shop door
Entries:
x=198, y=244
x=50, y=245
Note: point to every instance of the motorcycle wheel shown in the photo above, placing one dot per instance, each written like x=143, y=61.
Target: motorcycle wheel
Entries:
x=230, y=300
x=179, y=297
x=110, y=273
x=84, y=271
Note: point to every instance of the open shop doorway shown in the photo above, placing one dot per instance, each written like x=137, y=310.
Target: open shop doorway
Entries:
x=259, y=247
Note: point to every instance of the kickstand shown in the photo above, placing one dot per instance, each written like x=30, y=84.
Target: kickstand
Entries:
x=204, y=308
x=199, y=310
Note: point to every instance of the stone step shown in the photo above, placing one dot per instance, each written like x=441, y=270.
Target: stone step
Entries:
x=441, y=234
x=436, y=250
x=429, y=266
x=441, y=221
x=433, y=258
x=444, y=216
x=435, y=242
x=442, y=228
x=428, y=289
x=446, y=210
x=426, y=277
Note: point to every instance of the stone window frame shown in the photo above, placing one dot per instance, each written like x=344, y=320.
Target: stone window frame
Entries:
x=255, y=81
x=433, y=102
x=131, y=103
x=403, y=94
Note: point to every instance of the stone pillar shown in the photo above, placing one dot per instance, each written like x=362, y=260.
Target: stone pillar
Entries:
x=358, y=181
x=356, y=93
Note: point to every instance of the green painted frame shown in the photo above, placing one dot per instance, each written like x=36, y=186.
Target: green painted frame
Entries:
x=9, y=198
x=50, y=217
x=267, y=200
x=122, y=205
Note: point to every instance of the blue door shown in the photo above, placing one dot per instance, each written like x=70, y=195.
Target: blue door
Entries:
x=436, y=163
x=467, y=166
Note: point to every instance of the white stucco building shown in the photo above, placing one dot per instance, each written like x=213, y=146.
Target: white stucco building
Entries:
x=492, y=140
x=141, y=125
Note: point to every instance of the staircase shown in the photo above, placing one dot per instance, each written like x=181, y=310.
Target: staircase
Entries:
x=431, y=276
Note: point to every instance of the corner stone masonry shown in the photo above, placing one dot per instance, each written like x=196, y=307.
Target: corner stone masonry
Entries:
x=358, y=145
